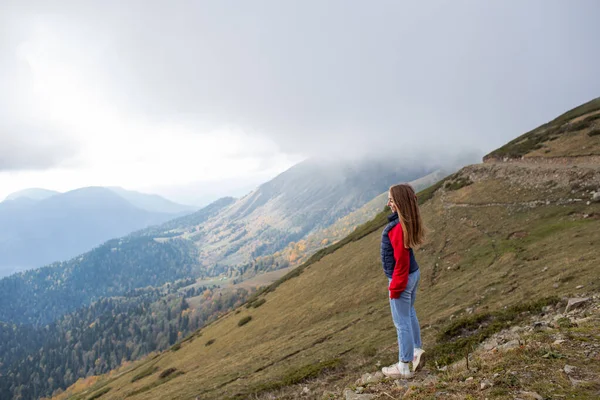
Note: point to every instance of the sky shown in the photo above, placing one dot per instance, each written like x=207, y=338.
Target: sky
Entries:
x=193, y=99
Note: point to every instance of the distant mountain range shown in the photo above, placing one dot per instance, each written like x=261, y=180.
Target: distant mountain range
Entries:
x=32, y=194
x=39, y=226
x=225, y=237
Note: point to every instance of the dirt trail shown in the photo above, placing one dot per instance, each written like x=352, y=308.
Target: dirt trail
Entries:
x=591, y=161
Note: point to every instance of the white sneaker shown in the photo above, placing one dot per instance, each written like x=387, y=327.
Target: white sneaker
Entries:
x=397, y=371
x=418, y=359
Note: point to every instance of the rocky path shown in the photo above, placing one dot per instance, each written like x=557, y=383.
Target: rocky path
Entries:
x=555, y=355
x=590, y=161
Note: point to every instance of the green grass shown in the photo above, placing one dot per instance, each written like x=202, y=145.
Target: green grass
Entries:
x=292, y=377
x=156, y=383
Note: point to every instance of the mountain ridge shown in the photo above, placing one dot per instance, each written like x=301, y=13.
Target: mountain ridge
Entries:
x=65, y=225
x=32, y=193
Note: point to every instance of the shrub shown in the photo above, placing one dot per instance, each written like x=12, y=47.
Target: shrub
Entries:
x=297, y=376
x=164, y=377
x=166, y=373
x=458, y=183
x=144, y=373
x=577, y=126
x=176, y=347
x=211, y=341
x=258, y=303
x=99, y=393
x=244, y=320
x=594, y=132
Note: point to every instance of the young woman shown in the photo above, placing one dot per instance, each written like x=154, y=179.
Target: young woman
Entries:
x=403, y=233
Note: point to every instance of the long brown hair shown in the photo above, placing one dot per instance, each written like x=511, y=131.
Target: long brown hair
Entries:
x=404, y=198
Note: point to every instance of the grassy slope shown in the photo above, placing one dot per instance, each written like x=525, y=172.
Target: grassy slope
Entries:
x=337, y=308
x=566, y=135
x=333, y=313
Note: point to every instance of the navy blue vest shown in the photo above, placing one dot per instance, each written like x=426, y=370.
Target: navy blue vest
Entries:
x=387, y=251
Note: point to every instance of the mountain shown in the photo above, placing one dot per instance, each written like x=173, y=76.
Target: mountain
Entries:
x=221, y=238
x=308, y=197
x=114, y=268
x=61, y=296
x=152, y=202
x=33, y=194
x=506, y=240
x=297, y=252
x=34, y=233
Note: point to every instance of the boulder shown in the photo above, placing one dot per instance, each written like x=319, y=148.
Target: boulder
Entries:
x=513, y=344
x=576, y=302
x=370, y=378
x=569, y=369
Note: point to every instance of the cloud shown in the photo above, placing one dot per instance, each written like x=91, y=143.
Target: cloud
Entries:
x=28, y=148
x=315, y=78
x=349, y=77
x=31, y=138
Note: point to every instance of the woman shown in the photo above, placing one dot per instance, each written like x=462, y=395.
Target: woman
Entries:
x=403, y=233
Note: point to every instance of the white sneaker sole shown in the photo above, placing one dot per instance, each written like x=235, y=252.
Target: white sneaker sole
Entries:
x=419, y=362
x=398, y=376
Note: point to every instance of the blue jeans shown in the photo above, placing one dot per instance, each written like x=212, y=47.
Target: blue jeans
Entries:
x=405, y=319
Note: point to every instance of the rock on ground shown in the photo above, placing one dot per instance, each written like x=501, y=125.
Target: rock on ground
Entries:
x=576, y=302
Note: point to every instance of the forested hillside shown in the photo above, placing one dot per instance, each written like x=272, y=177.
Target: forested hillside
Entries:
x=40, y=231
x=112, y=269
x=36, y=361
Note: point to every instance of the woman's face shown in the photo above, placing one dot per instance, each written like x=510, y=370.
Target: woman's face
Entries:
x=390, y=203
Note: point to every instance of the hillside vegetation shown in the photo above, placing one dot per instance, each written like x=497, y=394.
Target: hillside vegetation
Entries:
x=567, y=136
x=505, y=240
x=113, y=269
x=93, y=340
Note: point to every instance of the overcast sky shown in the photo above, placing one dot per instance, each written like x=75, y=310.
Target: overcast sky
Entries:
x=157, y=94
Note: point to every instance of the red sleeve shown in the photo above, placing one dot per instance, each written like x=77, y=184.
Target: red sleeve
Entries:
x=402, y=257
